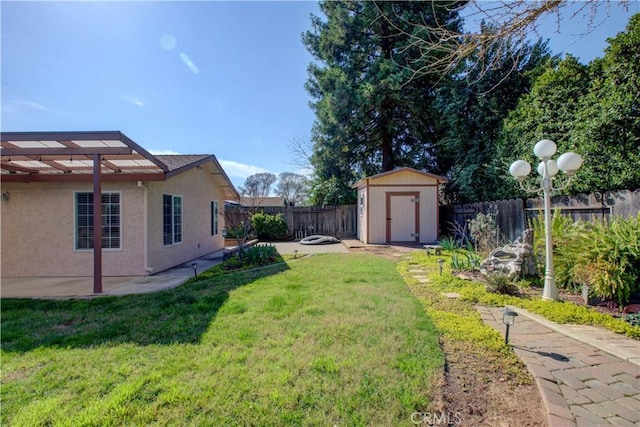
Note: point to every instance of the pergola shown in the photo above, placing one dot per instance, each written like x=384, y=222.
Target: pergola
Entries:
x=78, y=157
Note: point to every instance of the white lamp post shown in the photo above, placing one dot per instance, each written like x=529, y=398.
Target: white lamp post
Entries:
x=569, y=163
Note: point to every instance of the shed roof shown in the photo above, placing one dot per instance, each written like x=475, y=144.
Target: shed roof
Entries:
x=363, y=182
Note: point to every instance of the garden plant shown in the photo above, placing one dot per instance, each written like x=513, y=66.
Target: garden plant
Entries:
x=603, y=255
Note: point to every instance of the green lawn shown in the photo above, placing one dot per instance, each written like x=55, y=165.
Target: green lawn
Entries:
x=324, y=340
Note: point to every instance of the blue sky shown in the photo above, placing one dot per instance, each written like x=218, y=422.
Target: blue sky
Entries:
x=223, y=78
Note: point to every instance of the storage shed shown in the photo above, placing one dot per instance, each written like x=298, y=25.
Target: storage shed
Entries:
x=399, y=206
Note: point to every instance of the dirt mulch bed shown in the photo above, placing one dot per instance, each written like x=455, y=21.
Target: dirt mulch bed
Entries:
x=476, y=392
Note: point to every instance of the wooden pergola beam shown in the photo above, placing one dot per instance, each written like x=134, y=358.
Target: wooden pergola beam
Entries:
x=85, y=177
x=16, y=168
x=66, y=151
x=64, y=136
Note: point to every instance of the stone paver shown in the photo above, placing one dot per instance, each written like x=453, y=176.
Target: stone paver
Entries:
x=585, y=378
x=586, y=375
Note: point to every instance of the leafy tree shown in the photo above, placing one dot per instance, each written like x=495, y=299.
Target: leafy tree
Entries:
x=547, y=112
x=473, y=114
x=593, y=110
x=371, y=116
x=292, y=187
x=330, y=192
x=258, y=185
x=607, y=127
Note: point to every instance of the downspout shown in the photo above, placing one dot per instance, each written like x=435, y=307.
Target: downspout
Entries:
x=145, y=236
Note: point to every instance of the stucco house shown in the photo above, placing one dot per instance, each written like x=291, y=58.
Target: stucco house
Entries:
x=154, y=212
x=399, y=206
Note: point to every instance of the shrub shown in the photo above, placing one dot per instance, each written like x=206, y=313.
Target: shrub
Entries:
x=605, y=255
x=259, y=254
x=610, y=260
x=502, y=284
x=245, y=259
x=484, y=232
x=449, y=243
x=269, y=227
x=465, y=261
x=569, y=239
x=237, y=231
x=633, y=319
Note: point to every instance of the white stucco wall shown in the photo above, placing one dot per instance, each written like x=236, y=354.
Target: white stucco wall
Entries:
x=198, y=190
x=362, y=214
x=38, y=228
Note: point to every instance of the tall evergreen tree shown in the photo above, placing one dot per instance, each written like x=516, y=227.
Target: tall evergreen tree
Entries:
x=372, y=115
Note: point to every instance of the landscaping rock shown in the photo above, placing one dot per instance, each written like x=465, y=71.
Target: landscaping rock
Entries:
x=513, y=259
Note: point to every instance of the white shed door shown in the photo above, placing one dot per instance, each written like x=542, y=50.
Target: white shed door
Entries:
x=402, y=218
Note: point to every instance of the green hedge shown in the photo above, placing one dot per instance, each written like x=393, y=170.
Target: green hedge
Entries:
x=269, y=227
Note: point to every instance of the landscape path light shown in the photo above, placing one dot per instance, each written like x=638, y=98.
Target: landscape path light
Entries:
x=548, y=168
x=195, y=269
x=440, y=264
x=509, y=319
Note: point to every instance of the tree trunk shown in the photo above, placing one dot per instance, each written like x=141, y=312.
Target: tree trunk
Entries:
x=386, y=107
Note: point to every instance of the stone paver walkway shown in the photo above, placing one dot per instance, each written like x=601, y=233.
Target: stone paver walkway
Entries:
x=586, y=375
x=581, y=383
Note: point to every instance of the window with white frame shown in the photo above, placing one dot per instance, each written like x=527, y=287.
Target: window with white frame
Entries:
x=214, y=218
x=111, y=225
x=171, y=219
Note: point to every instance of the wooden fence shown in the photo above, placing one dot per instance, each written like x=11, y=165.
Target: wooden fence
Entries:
x=339, y=221
x=512, y=216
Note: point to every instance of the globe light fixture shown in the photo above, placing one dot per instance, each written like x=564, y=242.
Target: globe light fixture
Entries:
x=548, y=169
x=569, y=163
x=552, y=168
x=520, y=169
x=545, y=149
